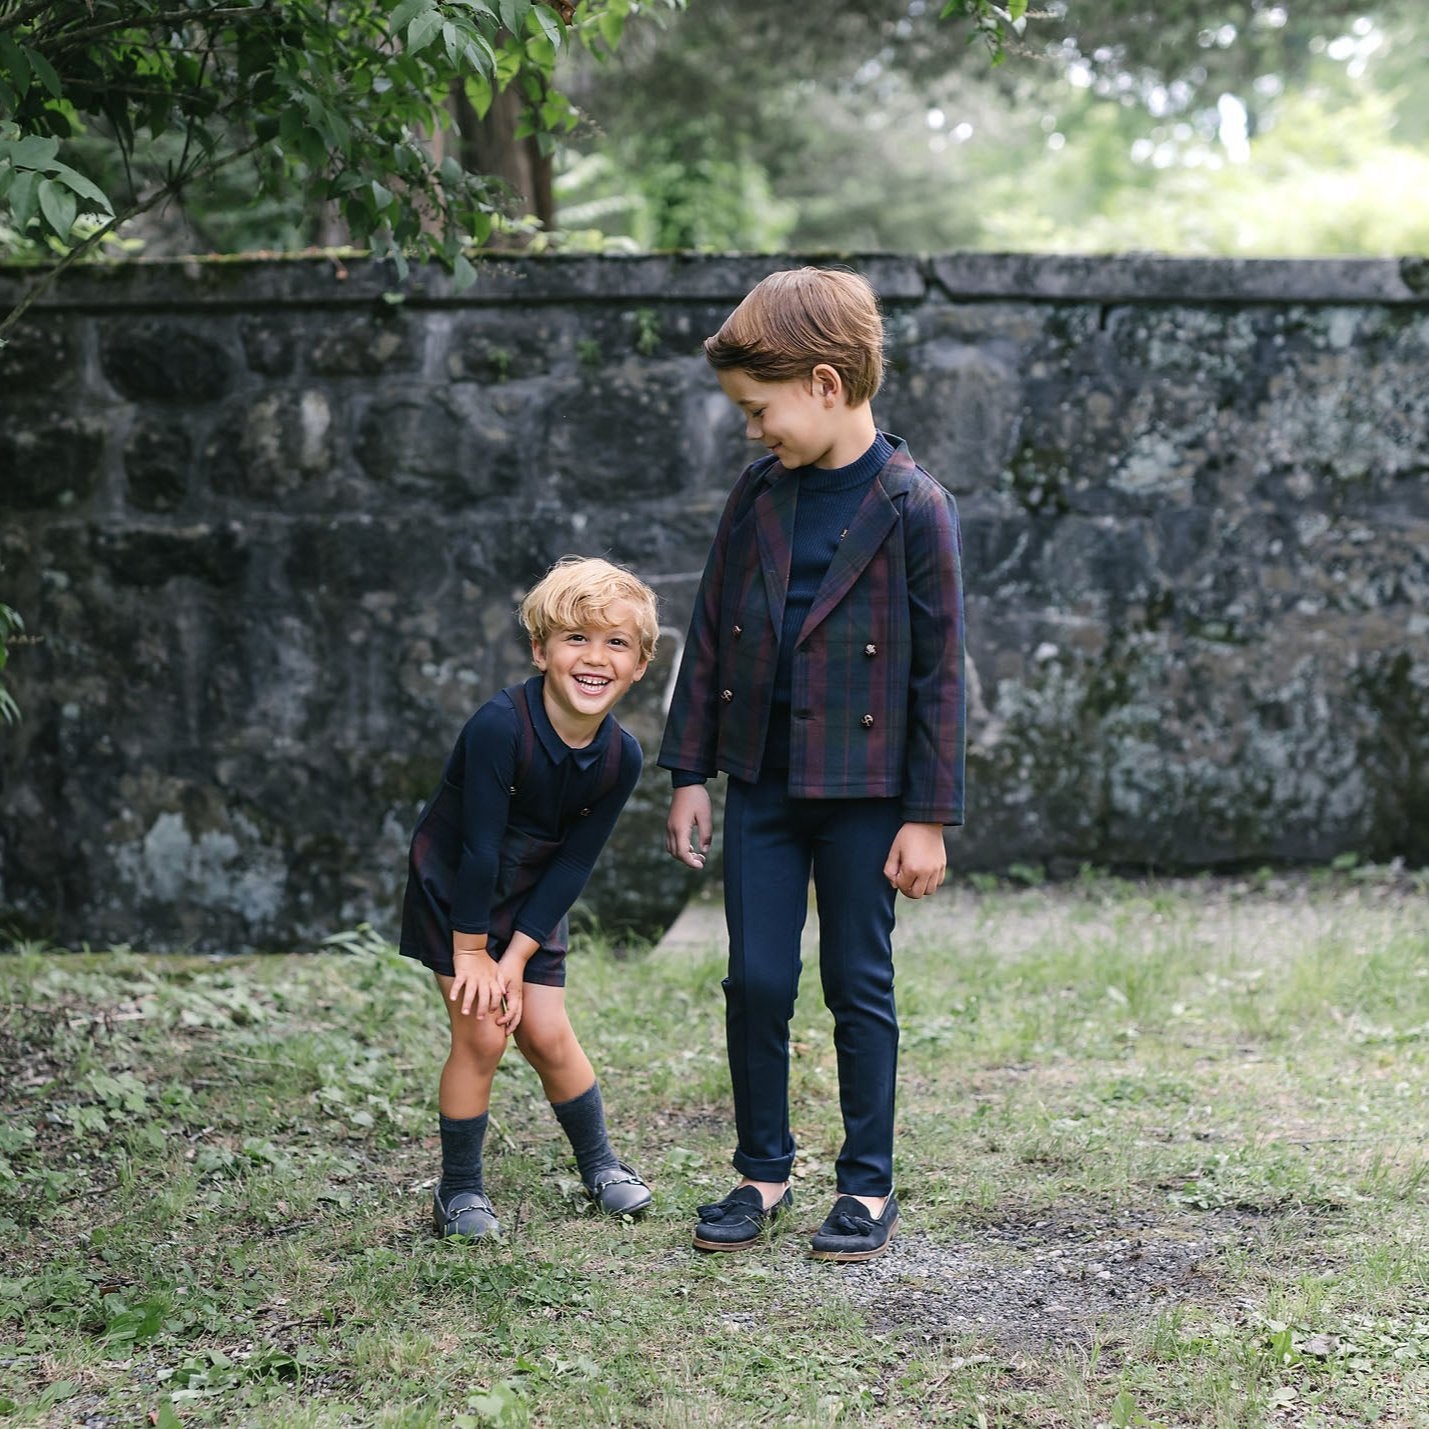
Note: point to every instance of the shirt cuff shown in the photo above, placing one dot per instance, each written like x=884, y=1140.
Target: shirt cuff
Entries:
x=683, y=779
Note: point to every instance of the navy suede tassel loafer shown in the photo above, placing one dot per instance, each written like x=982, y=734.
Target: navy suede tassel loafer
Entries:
x=735, y=1223
x=851, y=1233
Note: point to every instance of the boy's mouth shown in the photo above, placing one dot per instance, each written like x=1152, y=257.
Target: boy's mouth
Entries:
x=593, y=683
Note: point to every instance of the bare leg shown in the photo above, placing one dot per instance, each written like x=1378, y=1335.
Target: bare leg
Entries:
x=769, y=1191
x=477, y=1045
x=548, y=1042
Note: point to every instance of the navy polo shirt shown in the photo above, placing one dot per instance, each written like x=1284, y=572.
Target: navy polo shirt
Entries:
x=559, y=783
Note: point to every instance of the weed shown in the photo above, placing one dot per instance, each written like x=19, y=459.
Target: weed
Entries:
x=647, y=331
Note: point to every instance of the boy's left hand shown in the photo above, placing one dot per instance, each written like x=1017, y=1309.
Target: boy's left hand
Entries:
x=510, y=972
x=918, y=860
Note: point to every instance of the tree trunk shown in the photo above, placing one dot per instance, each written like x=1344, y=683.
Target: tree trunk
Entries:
x=490, y=146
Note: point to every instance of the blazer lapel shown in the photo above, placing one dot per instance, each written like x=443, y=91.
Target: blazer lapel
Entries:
x=774, y=527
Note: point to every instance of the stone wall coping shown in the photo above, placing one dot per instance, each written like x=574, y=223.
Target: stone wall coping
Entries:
x=328, y=280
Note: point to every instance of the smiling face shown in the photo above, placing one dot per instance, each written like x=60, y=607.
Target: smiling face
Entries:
x=806, y=422
x=588, y=670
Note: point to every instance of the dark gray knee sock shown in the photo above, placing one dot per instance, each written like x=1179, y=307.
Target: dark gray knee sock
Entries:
x=462, y=1140
x=583, y=1120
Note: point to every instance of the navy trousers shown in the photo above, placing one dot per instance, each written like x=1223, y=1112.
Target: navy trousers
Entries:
x=771, y=845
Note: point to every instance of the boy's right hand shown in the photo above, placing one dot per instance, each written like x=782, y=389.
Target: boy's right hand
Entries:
x=689, y=829
x=476, y=983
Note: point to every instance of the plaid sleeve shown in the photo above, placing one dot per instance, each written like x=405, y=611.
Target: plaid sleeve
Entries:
x=692, y=726
x=937, y=703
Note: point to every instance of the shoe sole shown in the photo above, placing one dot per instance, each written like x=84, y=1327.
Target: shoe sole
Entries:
x=628, y=1211
x=848, y=1257
x=725, y=1244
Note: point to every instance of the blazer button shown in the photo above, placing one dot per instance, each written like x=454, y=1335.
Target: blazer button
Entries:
x=726, y=695
x=867, y=721
x=870, y=649
x=738, y=631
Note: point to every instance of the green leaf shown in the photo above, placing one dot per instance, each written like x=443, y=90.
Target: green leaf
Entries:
x=484, y=59
x=423, y=30
x=463, y=274
x=45, y=72
x=16, y=66
x=83, y=187
x=34, y=151
x=406, y=12
x=58, y=205
x=479, y=92
x=24, y=200
x=514, y=13
x=57, y=1393
x=549, y=24
x=1016, y=9
x=612, y=26
x=384, y=198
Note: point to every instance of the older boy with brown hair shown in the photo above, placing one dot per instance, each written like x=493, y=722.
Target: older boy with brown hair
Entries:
x=823, y=672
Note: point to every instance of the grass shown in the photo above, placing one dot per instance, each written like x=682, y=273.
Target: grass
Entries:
x=1161, y=1154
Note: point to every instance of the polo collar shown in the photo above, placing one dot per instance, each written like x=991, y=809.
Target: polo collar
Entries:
x=556, y=748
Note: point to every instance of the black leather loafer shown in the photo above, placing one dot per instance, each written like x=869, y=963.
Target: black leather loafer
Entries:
x=466, y=1213
x=850, y=1233
x=619, y=1191
x=735, y=1223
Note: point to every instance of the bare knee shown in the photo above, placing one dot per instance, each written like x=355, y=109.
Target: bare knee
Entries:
x=547, y=1044
x=477, y=1041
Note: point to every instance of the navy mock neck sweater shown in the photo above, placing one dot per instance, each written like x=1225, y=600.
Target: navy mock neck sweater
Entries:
x=828, y=500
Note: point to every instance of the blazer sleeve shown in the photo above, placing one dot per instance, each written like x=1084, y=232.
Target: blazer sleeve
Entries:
x=692, y=726
x=933, y=786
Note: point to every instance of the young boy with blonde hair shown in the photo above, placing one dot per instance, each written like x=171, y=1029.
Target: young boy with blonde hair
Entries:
x=823, y=673
x=527, y=799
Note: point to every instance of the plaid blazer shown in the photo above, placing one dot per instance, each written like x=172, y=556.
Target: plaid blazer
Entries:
x=879, y=707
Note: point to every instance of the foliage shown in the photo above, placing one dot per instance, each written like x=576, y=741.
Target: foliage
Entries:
x=1112, y=125
x=344, y=105
x=1324, y=176
x=677, y=188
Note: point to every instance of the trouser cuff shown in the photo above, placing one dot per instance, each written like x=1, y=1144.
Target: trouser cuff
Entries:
x=777, y=1169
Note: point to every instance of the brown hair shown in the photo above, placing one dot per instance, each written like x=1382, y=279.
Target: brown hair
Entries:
x=794, y=320
x=579, y=590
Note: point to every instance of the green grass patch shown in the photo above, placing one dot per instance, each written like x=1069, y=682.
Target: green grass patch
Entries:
x=1161, y=1157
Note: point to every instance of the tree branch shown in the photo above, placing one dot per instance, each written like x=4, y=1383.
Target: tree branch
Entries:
x=67, y=39
x=169, y=189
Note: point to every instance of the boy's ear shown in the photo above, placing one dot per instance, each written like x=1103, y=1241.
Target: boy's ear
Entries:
x=538, y=654
x=827, y=385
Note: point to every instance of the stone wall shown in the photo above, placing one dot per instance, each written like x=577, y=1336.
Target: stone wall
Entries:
x=271, y=521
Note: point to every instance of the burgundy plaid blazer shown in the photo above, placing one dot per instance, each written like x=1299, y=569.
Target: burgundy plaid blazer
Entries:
x=879, y=708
